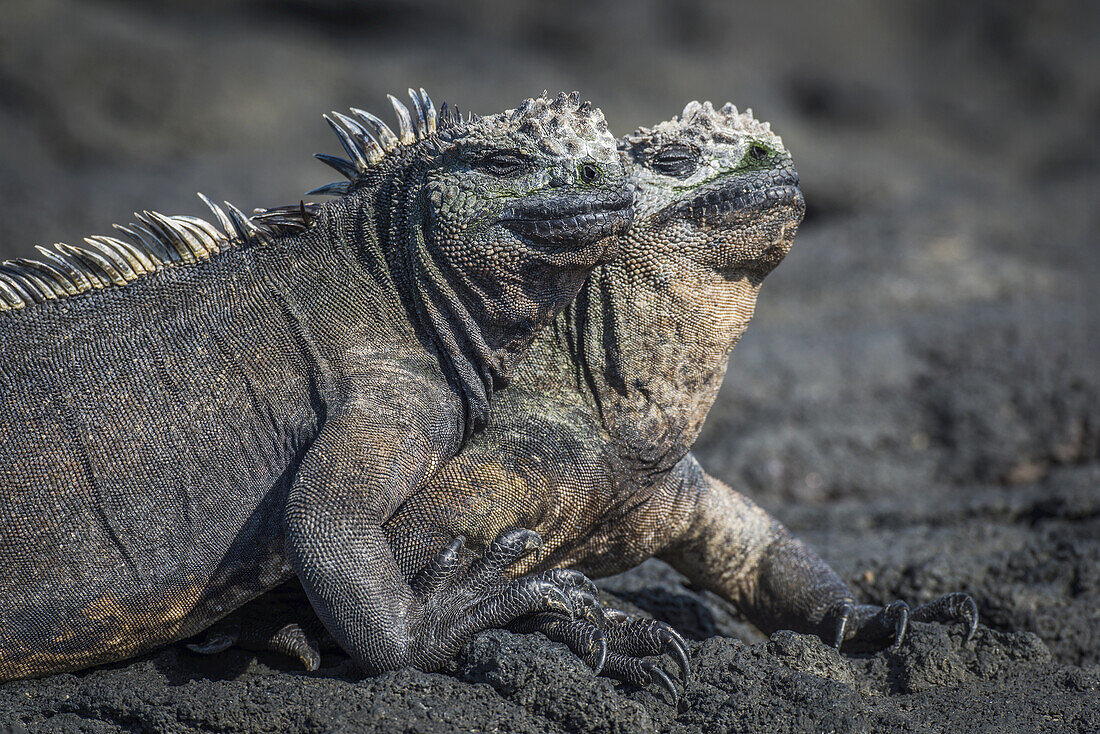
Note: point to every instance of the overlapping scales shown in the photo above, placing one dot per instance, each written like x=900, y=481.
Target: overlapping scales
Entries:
x=562, y=125
x=158, y=241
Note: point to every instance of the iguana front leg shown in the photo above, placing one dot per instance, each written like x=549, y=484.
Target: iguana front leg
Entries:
x=730, y=546
x=368, y=458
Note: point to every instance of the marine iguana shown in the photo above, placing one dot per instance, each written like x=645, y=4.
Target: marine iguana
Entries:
x=195, y=416
x=590, y=444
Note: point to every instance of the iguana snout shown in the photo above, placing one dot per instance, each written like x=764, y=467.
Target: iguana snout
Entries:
x=571, y=219
x=757, y=215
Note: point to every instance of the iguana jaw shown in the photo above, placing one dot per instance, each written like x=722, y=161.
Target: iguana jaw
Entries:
x=742, y=200
x=571, y=220
x=752, y=221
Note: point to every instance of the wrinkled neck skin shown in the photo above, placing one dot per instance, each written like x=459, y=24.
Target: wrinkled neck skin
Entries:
x=449, y=317
x=649, y=337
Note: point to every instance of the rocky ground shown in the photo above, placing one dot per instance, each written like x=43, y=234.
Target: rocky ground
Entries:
x=918, y=397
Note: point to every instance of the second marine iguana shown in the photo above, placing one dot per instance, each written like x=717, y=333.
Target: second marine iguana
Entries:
x=590, y=446
x=194, y=417
x=590, y=443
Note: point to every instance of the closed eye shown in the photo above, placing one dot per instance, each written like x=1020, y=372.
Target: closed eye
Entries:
x=503, y=164
x=675, y=159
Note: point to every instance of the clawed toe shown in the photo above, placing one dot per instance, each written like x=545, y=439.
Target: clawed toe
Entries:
x=658, y=676
x=640, y=673
x=615, y=644
x=643, y=637
x=955, y=607
x=213, y=644
x=286, y=639
x=468, y=598
x=683, y=656
x=585, y=639
x=896, y=615
x=872, y=625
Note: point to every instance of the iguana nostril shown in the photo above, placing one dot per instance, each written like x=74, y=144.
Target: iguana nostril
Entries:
x=758, y=152
x=589, y=173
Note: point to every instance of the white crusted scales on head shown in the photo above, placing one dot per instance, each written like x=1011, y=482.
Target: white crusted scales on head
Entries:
x=707, y=125
x=561, y=125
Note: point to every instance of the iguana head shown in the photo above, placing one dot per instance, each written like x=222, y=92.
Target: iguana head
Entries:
x=524, y=203
x=717, y=204
x=491, y=223
x=716, y=189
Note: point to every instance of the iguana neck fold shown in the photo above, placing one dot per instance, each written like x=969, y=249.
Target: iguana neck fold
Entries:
x=432, y=295
x=652, y=374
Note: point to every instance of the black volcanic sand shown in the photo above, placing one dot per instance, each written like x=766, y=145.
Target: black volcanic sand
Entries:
x=918, y=396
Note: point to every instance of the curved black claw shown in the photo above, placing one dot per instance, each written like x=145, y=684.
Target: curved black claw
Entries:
x=269, y=635
x=214, y=643
x=291, y=640
x=509, y=547
x=954, y=607
x=457, y=602
x=627, y=642
x=439, y=570
x=644, y=637
x=843, y=614
x=658, y=676
x=870, y=625
x=583, y=594
x=639, y=673
x=898, y=612
x=584, y=638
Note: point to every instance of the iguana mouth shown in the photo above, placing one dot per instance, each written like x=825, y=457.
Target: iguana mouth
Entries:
x=570, y=220
x=746, y=197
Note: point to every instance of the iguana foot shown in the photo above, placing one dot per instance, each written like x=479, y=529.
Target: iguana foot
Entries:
x=288, y=639
x=456, y=602
x=868, y=624
x=626, y=640
x=459, y=601
x=631, y=638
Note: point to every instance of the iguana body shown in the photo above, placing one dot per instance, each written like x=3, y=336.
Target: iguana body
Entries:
x=173, y=446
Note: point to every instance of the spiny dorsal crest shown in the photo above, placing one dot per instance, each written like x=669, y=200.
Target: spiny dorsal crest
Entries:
x=159, y=241
x=707, y=126
x=156, y=242
x=562, y=126
x=367, y=140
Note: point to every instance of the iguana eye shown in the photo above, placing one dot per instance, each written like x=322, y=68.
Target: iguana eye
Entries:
x=502, y=164
x=758, y=152
x=675, y=159
x=589, y=173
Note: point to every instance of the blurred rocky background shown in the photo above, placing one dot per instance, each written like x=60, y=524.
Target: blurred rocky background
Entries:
x=918, y=395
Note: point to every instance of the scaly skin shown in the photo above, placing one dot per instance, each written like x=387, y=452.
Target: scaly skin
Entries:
x=172, y=447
